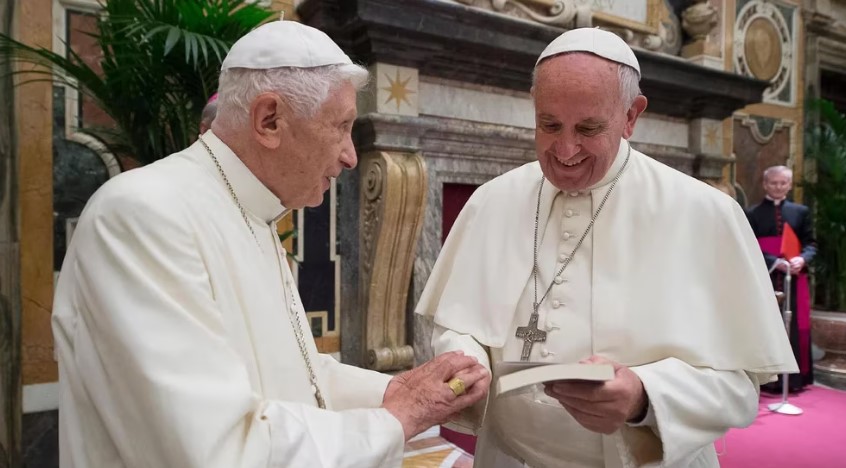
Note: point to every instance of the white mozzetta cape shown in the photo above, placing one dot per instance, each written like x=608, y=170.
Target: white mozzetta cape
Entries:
x=678, y=292
x=677, y=271
x=174, y=339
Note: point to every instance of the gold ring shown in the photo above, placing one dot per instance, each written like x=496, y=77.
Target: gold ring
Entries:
x=457, y=386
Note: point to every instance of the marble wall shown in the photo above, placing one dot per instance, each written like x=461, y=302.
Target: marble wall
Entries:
x=758, y=144
x=471, y=162
x=40, y=440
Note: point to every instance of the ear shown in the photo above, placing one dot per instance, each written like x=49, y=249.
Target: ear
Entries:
x=637, y=108
x=268, y=122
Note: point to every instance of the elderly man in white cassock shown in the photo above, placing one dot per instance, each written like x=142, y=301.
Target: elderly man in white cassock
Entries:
x=181, y=338
x=608, y=256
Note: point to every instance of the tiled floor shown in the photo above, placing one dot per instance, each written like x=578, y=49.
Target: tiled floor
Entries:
x=429, y=449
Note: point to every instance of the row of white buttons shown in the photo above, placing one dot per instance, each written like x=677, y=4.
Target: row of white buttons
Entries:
x=562, y=257
x=550, y=326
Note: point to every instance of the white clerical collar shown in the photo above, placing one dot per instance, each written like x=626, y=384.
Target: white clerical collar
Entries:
x=256, y=199
x=775, y=202
x=616, y=166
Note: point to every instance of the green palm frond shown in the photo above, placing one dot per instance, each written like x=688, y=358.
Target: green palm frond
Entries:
x=826, y=185
x=160, y=62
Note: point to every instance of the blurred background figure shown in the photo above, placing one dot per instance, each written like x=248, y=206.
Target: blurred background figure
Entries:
x=773, y=220
x=209, y=113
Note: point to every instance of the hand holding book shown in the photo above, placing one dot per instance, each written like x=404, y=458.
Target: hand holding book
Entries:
x=606, y=406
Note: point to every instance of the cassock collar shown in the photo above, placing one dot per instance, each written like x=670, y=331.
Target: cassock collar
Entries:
x=774, y=201
x=616, y=166
x=256, y=199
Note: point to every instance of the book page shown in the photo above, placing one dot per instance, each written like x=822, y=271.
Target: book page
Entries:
x=522, y=376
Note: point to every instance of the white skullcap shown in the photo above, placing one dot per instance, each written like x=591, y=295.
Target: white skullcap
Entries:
x=284, y=44
x=595, y=41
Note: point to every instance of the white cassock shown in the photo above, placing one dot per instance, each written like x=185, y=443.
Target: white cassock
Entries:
x=175, y=344
x=669, y=282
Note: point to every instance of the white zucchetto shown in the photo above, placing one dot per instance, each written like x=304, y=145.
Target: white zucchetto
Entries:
x=595, y=41
x=284, y=44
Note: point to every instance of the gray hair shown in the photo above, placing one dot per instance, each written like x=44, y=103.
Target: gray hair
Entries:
x=777, y=169
x=627, y=76
x=304, y=89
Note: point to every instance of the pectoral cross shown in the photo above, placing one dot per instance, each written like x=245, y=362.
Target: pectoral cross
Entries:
x=530, y=334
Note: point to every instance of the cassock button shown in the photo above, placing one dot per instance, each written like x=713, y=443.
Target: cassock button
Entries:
x=566, y=235
x=559, y=280
x=562, y=258
x=556, y=304
x=568, y=213
x=544, y=352
x=574, y=194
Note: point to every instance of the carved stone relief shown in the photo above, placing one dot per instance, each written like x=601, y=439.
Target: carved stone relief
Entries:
x=700, y=21
x=393, y=199
x=659, y=30
x=561, y=13
x=763, y=47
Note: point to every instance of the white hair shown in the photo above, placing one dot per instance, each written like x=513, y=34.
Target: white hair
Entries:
x=304, y=89
x=777, y=169
x=629, y=85
x=627, y=76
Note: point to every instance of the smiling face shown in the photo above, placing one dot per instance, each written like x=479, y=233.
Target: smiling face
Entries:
x=580, y=118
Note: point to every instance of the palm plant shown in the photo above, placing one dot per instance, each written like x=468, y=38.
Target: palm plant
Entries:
x=826, y=185
x=160, y=64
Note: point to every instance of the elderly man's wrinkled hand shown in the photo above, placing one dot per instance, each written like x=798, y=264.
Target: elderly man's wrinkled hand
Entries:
x=422, y=397
x=602, y=407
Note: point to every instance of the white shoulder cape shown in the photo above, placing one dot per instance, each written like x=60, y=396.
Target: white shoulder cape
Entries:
x=676, y=271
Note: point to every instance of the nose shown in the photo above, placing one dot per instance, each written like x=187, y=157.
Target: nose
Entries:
x=348, y=156
x=566, y=147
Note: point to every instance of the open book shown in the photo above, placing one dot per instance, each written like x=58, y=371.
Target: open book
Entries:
x=515, y=375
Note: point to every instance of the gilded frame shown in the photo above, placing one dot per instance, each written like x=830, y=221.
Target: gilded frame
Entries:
x=602, y=18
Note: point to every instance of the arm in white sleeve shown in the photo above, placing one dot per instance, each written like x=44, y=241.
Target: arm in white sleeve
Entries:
x=444, y=341
x=691, y=408
x=353, y=387
x=154, y=359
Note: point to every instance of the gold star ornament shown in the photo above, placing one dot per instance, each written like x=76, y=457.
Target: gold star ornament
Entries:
x=398, y=90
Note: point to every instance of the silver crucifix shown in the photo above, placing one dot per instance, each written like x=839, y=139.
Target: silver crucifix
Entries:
x=530, y=334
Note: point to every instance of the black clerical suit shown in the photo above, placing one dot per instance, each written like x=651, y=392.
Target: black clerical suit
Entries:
x=767, y=219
